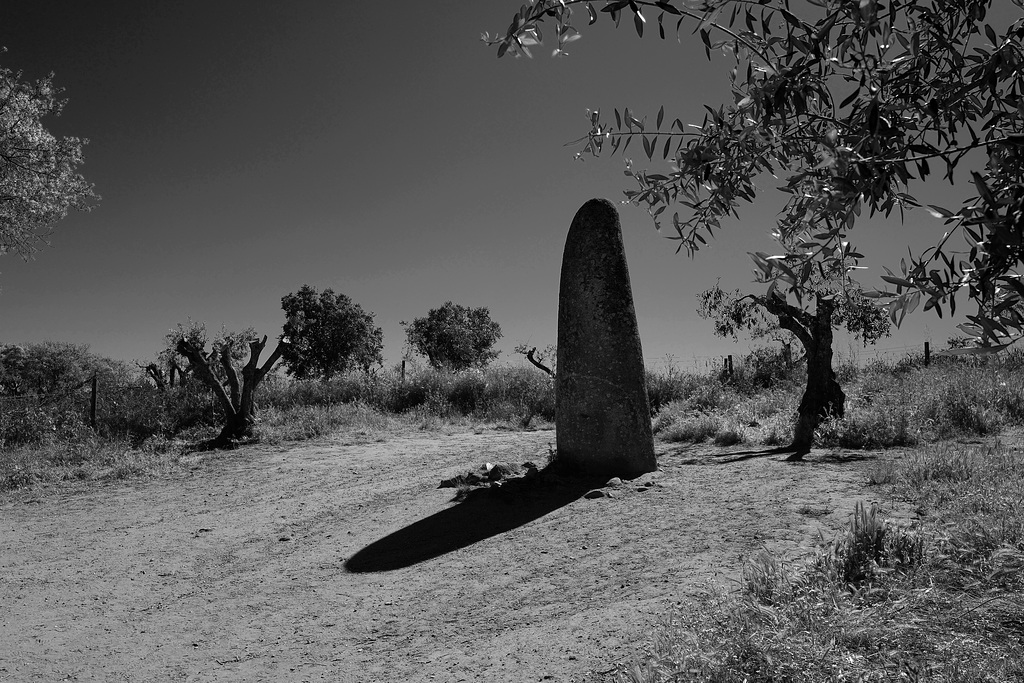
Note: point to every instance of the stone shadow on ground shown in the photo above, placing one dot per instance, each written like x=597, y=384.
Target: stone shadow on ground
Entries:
x=485, y=513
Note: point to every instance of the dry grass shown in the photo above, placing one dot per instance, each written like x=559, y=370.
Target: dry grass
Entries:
x=305, y=422
x=941, y=601
x=85, y=459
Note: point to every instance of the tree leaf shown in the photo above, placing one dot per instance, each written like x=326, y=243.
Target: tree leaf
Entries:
x=790, y=18
x=898, y=281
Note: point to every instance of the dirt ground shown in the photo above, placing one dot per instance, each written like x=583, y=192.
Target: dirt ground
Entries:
x=340, y=561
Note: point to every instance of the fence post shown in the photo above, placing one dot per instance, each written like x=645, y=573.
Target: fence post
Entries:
x=92, y=405
x=403, y=371
x=927, y=354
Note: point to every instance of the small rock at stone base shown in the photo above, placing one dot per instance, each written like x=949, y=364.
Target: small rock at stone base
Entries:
x=614, y=481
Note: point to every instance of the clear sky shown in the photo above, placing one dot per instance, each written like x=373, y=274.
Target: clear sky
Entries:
x=243, y=149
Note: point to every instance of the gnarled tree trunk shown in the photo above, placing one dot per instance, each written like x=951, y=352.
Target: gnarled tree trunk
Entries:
x=237, y=400
x=823, y=397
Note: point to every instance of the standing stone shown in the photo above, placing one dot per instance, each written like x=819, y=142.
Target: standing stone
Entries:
x=602, y=416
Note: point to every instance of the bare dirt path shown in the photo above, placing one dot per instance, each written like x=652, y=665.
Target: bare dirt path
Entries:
x=236, y=570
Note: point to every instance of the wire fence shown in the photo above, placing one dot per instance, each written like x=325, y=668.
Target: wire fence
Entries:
x=88, y=400
x=921, y=353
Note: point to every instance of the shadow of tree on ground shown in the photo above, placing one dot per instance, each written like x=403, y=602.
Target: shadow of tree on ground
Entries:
x=824, y=455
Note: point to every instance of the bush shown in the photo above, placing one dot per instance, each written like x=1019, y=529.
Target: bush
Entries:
x=500, y=393
x=693, y=429
x=191, y=406
x=672, y=385
x=26, y=426
x=729, y=435
x=763, y=368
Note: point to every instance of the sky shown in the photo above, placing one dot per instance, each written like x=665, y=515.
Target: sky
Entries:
x=244, y=149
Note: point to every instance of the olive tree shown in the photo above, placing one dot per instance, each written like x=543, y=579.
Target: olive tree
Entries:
x=328, y=333
x=851, y=104
x=769, y=314
x=234, y=389
x=454, y=337
x=39, y=180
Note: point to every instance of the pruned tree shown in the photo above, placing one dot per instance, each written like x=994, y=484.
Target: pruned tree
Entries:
x=235, y=390
x=454, y=337
x=167, y=369
x=851, y=103
x=328, y=333
x=539, y=359
x=39, y=180
x=164, y=374
x=760, y=315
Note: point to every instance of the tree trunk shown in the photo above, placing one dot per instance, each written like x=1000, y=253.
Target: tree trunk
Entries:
x=823, y=397
x=237, y=426
x=157, y=375
x=239, y=406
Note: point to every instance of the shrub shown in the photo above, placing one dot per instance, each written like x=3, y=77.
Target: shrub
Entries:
x=671, y=385
x=763, y=368
x=729, y=436
x=25, y=425
x=871, y=544
x=694, y=429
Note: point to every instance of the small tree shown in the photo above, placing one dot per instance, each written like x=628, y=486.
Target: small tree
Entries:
x=540, y=359
x=454, y=337
x=328, y=333
x=170, y=366
x=53, y=368
x=39, y=182
x=761, y=315
x=216, y=369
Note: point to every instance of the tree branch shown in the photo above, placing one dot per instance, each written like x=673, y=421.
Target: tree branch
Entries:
x=229, y=370
x=201, y=368
x=537, y=363
x=791, y=318
x=274, y=357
